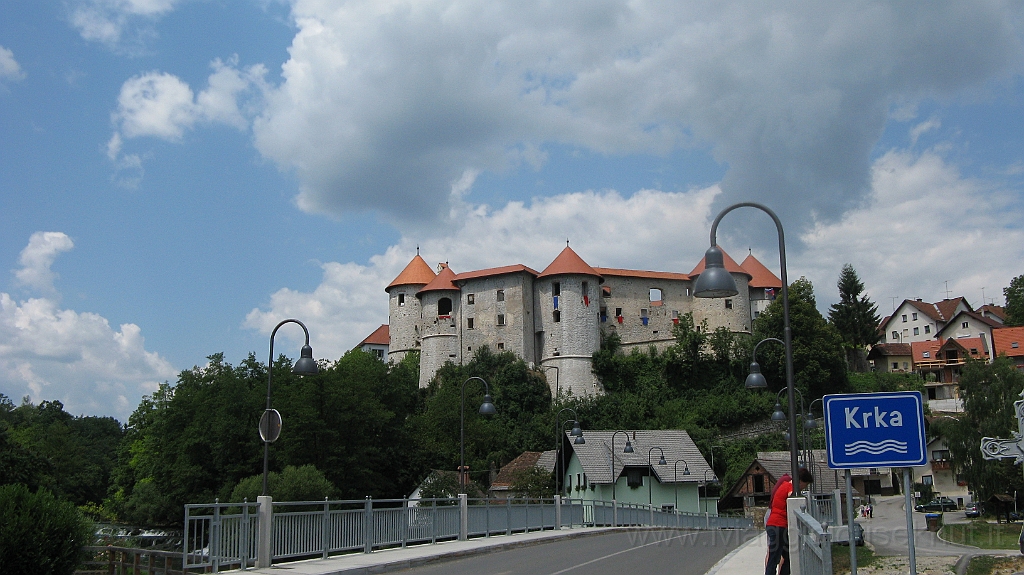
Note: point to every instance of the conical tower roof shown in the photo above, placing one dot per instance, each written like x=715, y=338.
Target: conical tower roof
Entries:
x=445, y=280
x=760, y=276
x=416, y=273
x=568, y=262
x=730, y=266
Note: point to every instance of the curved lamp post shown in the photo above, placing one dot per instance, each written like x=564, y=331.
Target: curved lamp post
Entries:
x=576, y=432
x=716, y=282
x=611, y=457
x=650, y=479
x=305, y=366
x=675, y=477
x=754, y=379
x=486, y=408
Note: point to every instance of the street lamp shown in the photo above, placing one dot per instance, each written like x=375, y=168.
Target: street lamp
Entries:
x=754, y=379
x=650, y=466
x=486, y=408
x=716, y=282
x=576, y=432
x=611, y=457
x=675, y=477
x=270, y=422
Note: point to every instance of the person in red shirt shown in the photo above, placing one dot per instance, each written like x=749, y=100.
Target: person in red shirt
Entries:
x=778, y=523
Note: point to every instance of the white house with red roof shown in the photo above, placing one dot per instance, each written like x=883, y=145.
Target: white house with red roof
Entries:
x=917, y=320
x=554, y=318
x=1009, y=341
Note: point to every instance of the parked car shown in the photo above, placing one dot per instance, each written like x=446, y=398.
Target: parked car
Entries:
x=974, y=509
x=858, y=535
x=938, y=504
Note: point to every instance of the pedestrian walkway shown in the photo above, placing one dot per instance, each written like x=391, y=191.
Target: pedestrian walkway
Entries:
x=746, y=559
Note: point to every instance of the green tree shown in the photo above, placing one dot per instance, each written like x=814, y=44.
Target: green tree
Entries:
x=39, y=533
x=305, y=483
x=534, y=483
x=1014, y=295
x=988, y=392
x=855, y=317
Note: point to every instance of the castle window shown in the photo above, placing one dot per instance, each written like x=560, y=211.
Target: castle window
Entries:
x=501, y=295
x=728, y=304
x=606, y=291
x=501, y=319
x=444, y=307
x=470, y=299
x=618, y=312
x=586, y=288
x=401, y=299
x=501, y=346
x=556, y=288
x=603, y=314
x=655, y=295
x=469, y=323
x=556, y=316
x=643, y=312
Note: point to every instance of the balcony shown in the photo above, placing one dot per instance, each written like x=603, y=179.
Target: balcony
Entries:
x=940, y=465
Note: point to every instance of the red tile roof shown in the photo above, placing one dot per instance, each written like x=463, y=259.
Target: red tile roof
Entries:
x=967, y=344
x=512, y=269
x=568, y=262
x=443, y=281
x=919, y=347
x=928, y=309
x=730, y=265
x=380, y=336
x=890, y=349
x=642, y=274
x=947, y=307
x=1004, y=340
x=993, y=310
x=416, y=273
x=760, y=276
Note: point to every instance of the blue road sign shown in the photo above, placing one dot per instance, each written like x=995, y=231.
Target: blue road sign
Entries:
x=875, y=430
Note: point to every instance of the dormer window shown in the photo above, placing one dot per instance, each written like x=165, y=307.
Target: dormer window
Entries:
x=1014, y=345
x=926, y=354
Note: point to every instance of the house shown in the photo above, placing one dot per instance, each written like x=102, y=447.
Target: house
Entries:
x=968, y=324
x=892, y=357
x=753, y=488
x=993, y=312
x=601, y=470
x=1009, y=341
x=938, y=473
x=501, y=487
x=377, y=342
x=917, y=320
x=554, y=319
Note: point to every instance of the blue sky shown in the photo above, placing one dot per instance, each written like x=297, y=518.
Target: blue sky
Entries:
x=176, y=176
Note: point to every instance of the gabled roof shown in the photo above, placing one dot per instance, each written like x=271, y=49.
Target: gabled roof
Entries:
x=947, y=307
x=416, y=273
x=890, y=350
x=760, y=276
x=993, y=310
x=966, y=344
x=444, y=281
x=642, y=274
x=730, y=266
x=380, y=336
x=987, y=321
x=568, y=262
x=928, y=309
x=489, y=272
x=1008, y=340
x=544, y=460
x=595, y=455
x=919, y=348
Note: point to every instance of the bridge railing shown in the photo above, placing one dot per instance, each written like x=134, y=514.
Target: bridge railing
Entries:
x=815, y=545
x=222, y=535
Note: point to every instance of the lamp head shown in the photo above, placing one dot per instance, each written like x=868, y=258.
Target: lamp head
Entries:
x=810, y=422
x=576, y=431
x=662, y=460
x=686, y=470
x=628, y=448
x=714, y=281
x=778, y=414
x=487, y=407
x=755, y=380
x=306, y=364
x=579, y=439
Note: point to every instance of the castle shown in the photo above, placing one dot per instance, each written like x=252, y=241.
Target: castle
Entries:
x=553, y=319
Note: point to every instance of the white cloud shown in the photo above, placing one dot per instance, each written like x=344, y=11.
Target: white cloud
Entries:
x=924, y=224
x=9, y=67
x=37, y=258
x=48, y=353
x=108, y=21
x=923, y=127
x=384, y=105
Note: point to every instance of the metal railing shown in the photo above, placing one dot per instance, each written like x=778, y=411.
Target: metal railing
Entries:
x=815, y=545
x=223, y=535
x=113, y=560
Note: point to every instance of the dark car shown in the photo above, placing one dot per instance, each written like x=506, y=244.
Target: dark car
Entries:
x=858, y=535
x=973, y=510
x=938, y=504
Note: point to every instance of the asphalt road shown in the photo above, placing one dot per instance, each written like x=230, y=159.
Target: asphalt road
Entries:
x=887, y=531
x=647, y=551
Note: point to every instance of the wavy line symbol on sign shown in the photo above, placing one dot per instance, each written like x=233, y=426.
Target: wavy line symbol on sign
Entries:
x=876, y=448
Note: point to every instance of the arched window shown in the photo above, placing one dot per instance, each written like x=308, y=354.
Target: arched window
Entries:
x=444, y=306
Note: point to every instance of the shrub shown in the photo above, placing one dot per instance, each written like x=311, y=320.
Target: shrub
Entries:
x=40, y=534
x=306, y=483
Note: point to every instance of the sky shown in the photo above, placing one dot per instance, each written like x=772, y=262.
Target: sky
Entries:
x=177, y=176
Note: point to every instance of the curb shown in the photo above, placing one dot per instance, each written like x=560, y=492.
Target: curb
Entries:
x=725, y=560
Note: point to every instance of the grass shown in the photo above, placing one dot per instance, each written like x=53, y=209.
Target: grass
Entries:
x=982, y=534
x=987, y=564
x=841, y=558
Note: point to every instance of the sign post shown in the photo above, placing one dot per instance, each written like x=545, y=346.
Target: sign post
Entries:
x=877, y=430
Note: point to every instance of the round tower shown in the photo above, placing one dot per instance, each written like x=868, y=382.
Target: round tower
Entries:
x=441, y=324
x=732, y=313
x=404, y=308
x=568, y=322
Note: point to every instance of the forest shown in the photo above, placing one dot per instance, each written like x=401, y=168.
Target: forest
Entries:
x=362, y=427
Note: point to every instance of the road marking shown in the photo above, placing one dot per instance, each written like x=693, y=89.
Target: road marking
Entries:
x=610, y=555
